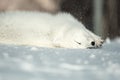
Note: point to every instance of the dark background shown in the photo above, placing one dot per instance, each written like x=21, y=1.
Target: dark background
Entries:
x=83, y=11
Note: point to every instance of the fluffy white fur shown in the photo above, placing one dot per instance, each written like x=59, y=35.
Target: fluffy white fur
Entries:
x=45, y=30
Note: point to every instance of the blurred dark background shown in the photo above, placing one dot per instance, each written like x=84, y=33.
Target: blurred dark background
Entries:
x=83, y=10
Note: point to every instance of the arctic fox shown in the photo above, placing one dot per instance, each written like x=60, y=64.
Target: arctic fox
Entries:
x=45, y=30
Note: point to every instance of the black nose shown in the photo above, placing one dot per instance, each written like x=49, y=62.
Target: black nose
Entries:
x=93, y=43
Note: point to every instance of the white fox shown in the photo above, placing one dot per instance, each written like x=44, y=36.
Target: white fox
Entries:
x=45, y=30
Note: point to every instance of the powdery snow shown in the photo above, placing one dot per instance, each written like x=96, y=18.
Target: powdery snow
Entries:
x=35, y=63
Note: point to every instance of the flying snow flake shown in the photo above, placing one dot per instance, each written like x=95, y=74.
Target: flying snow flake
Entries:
x=92, y=56
x=34, y=49
x=27, y=66
x=70, y=66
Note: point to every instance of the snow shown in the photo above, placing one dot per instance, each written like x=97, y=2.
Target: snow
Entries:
x=70, y=67
x=37, y=63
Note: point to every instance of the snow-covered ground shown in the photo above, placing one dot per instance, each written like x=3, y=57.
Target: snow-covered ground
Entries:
x=33, y=63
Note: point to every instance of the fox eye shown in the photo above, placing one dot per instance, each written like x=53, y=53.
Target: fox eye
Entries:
x=93, y=43
x=78, y=42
